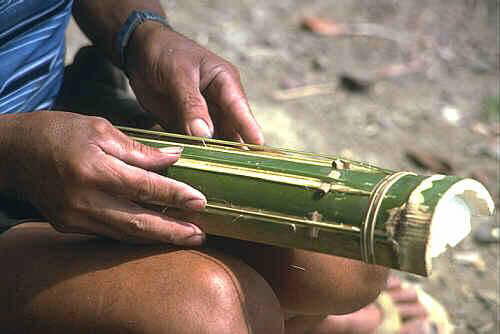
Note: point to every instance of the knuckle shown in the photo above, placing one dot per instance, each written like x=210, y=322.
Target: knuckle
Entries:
x=225, y=68
x=134, y=146
x=146, y=189
x=137, y=226
x=100, y=125
x=58, y=226
x=233, y=70
x=235, y=104
x=80, y=204
x=82, y=172
x=174, y=196
x=170, y=193
x=191, y=102
x=65, y=224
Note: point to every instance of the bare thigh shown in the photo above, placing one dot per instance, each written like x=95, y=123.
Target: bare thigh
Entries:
x=310, y=283
x=56, y=283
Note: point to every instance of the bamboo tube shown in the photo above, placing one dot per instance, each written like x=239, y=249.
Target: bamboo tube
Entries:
x=325, y=204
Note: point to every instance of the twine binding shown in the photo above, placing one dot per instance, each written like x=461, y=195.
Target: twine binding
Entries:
x=370, y=220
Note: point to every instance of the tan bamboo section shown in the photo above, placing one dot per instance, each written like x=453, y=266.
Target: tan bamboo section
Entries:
x=325, y=204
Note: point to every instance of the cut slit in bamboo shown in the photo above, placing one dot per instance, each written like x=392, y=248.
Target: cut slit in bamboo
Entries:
x=325, y=204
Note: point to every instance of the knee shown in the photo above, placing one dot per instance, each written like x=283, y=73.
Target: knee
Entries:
x=344, y=286
x=225, y=296
x=360, y=286
x=368, y=281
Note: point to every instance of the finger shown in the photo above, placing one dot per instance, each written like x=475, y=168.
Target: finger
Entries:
x=136, y=154
x=144, y=186
x=225, y=130
x=84, y=225
x=417, y=326
x=159, y=104
x=405, y=295
x=411, y=310
x=93, y=223
x=227, y=93
x=104, y=229
x=393, y=282
x=190, y=104
x=139, y=223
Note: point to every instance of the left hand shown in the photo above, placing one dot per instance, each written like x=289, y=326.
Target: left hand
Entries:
x=187, y=87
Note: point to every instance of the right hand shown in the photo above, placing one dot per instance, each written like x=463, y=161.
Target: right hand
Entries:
x=86, y=176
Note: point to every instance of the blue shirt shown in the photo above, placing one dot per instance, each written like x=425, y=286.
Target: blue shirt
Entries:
x=32, y=48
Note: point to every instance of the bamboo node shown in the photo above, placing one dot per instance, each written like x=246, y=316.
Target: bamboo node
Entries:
x=325, y=188
x=340, y=164
x=314, y=232
x=315, y=216
x=235, y=219
x=334, y=174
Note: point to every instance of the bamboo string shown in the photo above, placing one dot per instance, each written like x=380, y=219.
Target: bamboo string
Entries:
x=262, y=148
x=370, y=220
x=241, y=213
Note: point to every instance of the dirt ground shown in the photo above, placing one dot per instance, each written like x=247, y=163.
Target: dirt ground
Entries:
x=448, y=52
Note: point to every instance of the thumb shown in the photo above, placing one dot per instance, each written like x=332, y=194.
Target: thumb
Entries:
x=191, y=104
x=136, y=154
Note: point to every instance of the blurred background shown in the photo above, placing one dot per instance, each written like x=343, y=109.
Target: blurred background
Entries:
x=410, y=85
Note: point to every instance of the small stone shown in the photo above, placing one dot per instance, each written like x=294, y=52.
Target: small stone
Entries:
x=481, y=128
x=492, y=149
x=487, y=233
x=289, y=83
x=354, y=85
x=495, y=128
x=481, y=175
x=371, y=130
x=319, y=64
x=451, y=114
x=487, y=298
x=470, y=258
x=430, y=161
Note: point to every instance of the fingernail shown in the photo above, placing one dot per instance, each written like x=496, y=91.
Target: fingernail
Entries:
x=171, y=149
x=260, y=138
x=195, y=239
x=195, y=204
x=199, y=127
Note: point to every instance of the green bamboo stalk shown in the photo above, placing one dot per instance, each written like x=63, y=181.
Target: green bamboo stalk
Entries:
x=323, y=203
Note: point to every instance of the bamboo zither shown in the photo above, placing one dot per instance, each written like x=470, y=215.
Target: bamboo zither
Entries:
x=325, y=204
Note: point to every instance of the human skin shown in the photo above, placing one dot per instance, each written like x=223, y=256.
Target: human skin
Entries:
x=59, y=282
x=414, y=316
x=174, y=79
x=87, y=177
x=187, y=87
x=65, y=165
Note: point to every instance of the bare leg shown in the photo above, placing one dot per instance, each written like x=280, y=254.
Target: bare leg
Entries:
x=366, y=321
x=311, y=283
x=58, y=283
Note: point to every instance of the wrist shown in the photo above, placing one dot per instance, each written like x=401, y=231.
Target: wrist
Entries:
x=142, y=48
x=136, y=28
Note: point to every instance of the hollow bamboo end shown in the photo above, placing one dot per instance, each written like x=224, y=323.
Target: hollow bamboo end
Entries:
x=451, y=218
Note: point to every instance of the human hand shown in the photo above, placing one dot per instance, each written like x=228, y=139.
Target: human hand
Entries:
x=86, y=176
x=187, y=87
